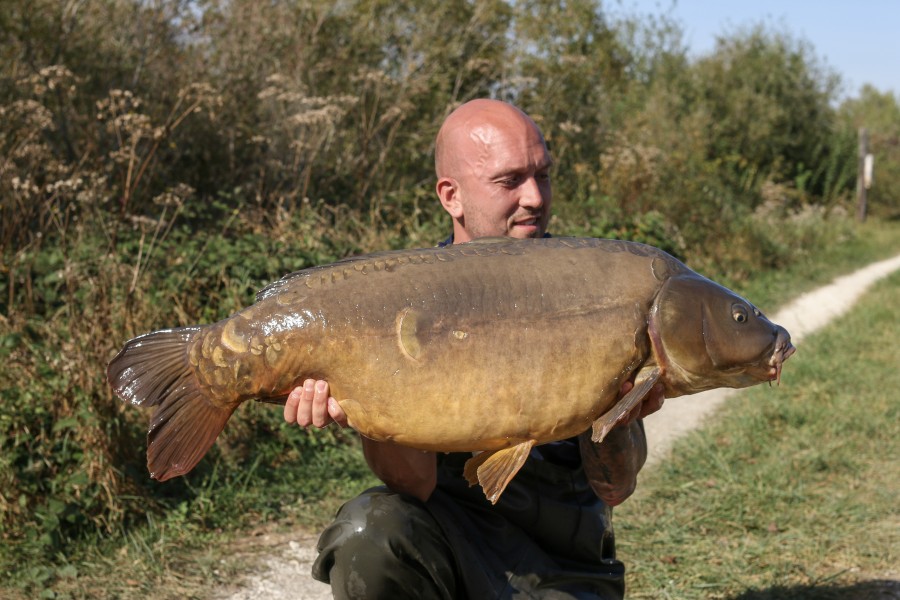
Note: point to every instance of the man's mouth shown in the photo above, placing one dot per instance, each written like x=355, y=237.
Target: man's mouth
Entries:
x=533, y=221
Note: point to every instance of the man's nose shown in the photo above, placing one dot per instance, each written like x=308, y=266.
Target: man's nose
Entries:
x=531, y=194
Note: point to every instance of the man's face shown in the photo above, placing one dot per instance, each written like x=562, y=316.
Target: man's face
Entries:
x=503, y=184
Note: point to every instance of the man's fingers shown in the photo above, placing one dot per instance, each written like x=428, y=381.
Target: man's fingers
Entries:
x=651, y=403
x=311, y=404
x=304, y=406
x=290, y=405
x=654, y=400
x=319, y=405
x=336, y=412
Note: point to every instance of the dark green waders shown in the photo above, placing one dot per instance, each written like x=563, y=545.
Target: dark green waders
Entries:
x=548, y=537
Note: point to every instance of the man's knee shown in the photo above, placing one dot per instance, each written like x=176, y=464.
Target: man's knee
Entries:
x=383, y=544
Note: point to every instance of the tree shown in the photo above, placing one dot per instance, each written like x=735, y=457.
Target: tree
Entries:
x=769, y=105
x=879, y=113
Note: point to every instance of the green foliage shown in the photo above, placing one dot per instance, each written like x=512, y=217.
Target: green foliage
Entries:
x=73, y=460
x=285, y=101
x=767, y=100
x=160, y=162
x=879, y=113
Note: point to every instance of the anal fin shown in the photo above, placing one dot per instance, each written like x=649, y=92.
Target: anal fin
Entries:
x=644, y=382
x=495, y=469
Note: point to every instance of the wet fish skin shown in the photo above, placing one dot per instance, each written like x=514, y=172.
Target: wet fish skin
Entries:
x=494, y=345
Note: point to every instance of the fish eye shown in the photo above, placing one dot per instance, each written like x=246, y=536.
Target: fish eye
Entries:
x=739, y=313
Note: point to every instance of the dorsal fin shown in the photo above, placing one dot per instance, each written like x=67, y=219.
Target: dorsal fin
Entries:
x=376, y=259
x=489, y=240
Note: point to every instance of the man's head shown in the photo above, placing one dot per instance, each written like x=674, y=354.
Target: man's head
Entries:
x=493, y=172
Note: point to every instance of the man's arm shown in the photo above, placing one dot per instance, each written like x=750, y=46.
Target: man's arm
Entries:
x=612, y=465
x=404, y=470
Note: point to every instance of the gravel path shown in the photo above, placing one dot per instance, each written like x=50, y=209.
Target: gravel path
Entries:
x=287, y=572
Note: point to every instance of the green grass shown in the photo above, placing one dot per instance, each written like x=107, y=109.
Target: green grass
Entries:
x=792, y=493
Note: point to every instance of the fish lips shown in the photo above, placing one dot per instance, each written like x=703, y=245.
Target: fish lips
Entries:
x=783, y=351
x=749, y=344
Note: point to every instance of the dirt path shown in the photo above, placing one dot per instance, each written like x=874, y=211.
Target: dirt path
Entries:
x=287, y=572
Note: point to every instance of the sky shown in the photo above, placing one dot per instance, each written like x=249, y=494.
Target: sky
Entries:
x=859, y=39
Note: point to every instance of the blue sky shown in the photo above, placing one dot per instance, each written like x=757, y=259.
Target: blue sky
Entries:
x=860, y=39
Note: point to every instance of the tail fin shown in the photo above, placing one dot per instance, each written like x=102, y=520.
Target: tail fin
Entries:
x=154, y=370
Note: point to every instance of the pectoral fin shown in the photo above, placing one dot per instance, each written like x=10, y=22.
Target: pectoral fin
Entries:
x=494, y=470
x=642, y=386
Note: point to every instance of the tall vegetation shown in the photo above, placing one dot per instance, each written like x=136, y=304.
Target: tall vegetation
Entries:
x=160, y=161
x=879, y=114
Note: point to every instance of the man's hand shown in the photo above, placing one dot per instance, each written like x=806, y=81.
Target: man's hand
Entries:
x=652, y=403
x=311, y=404
x=404, y=470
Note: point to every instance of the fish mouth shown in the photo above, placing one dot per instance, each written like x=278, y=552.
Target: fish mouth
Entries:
x=783, y=351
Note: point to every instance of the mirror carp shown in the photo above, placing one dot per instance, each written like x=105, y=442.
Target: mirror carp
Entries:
x=487, y=347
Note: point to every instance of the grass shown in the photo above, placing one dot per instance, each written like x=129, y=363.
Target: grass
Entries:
x=792, y=493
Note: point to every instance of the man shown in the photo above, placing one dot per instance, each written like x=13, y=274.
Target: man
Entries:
x=426, y=534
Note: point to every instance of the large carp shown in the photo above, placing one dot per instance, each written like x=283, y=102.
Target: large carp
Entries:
x=491, y=346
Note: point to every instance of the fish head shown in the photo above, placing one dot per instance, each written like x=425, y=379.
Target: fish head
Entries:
x=706, y=336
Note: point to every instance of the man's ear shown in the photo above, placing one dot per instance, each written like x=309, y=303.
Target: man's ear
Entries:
x=448, y=193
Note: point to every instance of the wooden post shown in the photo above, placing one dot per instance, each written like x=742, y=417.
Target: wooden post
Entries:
x=861, y=190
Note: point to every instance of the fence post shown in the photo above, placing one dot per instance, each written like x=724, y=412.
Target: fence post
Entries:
x=861, y=190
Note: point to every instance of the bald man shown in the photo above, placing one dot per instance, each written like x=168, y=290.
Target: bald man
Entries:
x=426, y=533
